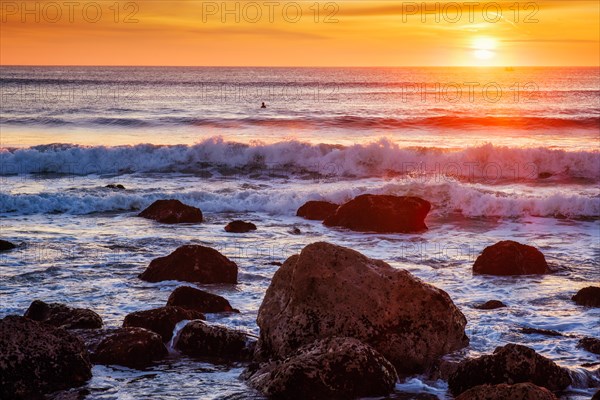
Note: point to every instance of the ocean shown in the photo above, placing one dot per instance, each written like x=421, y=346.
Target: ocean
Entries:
x=501, y=153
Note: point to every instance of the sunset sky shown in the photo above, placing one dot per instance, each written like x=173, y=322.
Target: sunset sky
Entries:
x=356, y=33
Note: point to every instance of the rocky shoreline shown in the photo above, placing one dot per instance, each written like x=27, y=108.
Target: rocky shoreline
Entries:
x=333, y=320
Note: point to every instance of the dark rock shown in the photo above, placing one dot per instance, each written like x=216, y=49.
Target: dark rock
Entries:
x=536, y=331
x=596, y=396
x=192, y=263
x=316, y=210
x=590, y=344
x=276, y=263
x=195, y=299
x=381, y=213
x=115, y=186
x=510, y=258
x=544, y=175
x=37, y=358
x=295, y=231
x=330, y=290
x=490, y=305
x=161, y=320
x=589, y=296
x=240, y=227
x=6, y=245
x=130, y=347
x=520, y=391
x=510, y=364
x=172, y=212
x=332, y=368
x=62, y=316
x=198, y=339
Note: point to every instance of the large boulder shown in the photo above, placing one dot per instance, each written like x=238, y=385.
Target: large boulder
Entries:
x=161, y=320
x=62, y=316
x=238, y=226
x=172, y=212
x=199, y=339
x=316, y=210
x=590, y=344
x=520, y=391
x=509, y=364
x=329, y=290
x=5, y=245
x=588, y=296
x=596, y=396
x=510, y=258
x=130, y=347
x=37, y=358
x=195, y=299
x=192, y=263
x=381, y=213
x=332, y=368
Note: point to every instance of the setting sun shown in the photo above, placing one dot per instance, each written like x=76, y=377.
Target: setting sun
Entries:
x=484, y=48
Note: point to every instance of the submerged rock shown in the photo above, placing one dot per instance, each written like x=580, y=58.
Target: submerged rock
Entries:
x=520, y=391
x=537, y=331
x=192, y=263
x=6, y=245
x=240, y=227
x=161, y=320
x=199, y=339
x=62, y=316
x=172, y=212
x=509, y=364
x=381, y=213
x=332, y=368
x=195, y=299
x=130, y=347
x=490, y=305
x=316, y=210
x=590, y=344
x=329, y=290
x=36, y=358
x=510, y=258
x=589, y=296
x=117, y=186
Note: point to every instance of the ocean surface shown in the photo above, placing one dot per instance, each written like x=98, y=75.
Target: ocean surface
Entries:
x=500, y=153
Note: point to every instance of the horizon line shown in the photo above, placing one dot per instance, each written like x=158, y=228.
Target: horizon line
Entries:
x=299, y=66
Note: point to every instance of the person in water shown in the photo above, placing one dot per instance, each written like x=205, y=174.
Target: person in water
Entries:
x=263, y=105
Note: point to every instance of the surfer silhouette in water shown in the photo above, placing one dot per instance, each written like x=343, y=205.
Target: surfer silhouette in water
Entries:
x=263, y=105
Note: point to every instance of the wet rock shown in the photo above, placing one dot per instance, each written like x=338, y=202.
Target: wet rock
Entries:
x=161, y=320
x=490, y=305
x=198, y=339
x=509, y=364
x=36, y=358
x=589, y=296
x=240, y=227
x=6, y=245
x=276, y=263
x=520, y=391
x=295, y=231
x=590, y=344
x=510, y=258
x=115, y=186
x=596, y=396
x=381, y=213
x=62, y=316
x=172, y=212
x=329, y=290
x=536, y=331
x=316, y=210
x=544, y=175
x=332, y=368
x=130, y=347
x=192, y=263
x=195, y=299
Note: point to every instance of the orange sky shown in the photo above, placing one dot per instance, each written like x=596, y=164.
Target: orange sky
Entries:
x=367, y=33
